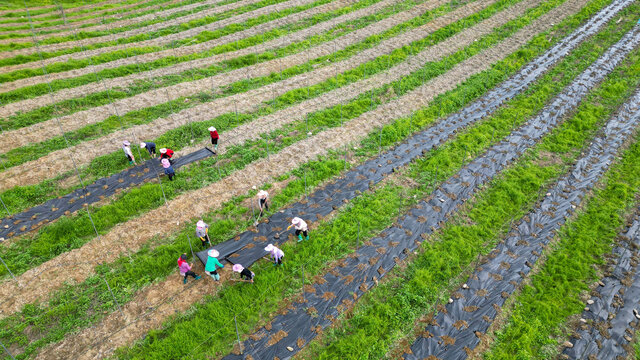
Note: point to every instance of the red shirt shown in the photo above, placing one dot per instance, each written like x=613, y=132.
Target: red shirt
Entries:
x=214, y=134
x=168, y=154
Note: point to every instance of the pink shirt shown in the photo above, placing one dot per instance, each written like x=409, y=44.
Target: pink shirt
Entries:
x=184, y=268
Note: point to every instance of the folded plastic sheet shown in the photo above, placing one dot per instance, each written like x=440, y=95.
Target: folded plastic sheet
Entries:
x=37, y=216
x=613, y=306
x=494, y=281
x=247, y=247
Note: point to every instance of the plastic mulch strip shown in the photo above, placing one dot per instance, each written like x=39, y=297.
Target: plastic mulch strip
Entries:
x=37, y=216
x=468, y=317
x=247, y=247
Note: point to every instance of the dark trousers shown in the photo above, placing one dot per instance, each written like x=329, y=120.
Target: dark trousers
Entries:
x=305, y=233
x=246, y=274
x=263, y=205
x=152, y=150
x=279, y=261
x=205, y=241
x=189, y=273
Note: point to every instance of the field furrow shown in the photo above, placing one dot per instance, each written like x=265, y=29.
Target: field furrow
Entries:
x=245, y=101
x=150, y=224
x=493, y=283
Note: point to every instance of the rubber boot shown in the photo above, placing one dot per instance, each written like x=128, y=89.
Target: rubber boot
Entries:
x=307, y=237
x=299, y=237
x=217, y=276
x=185, y=280
x=198, y=277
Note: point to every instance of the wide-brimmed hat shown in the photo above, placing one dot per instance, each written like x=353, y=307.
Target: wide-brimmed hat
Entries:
x=142, y=145
x=213, y=253
x=237, y=268
x=211, y=128
x=200, y=224
x=269, y=248
x=296, y=220
x=165, y=163
x=126, y=143
x=163, y=150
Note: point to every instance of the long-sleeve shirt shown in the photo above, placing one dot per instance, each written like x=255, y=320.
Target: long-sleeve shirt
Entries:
x=202, y=232
x=276, y=254
x=167, y=155
x=184, y=267
x=149, y=146
x=212, y=263
x=214, y=134
x=301, y=225
x=127, y=151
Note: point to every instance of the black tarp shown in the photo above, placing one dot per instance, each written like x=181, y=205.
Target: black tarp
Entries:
x=359, y=272
x=510, y=262
x=37, y=216
x=247, y=247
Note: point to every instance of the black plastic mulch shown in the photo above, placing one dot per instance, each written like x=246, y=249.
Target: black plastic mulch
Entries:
x=612, y=305
x=37, y=216
x=342, y=286
x=247, y=247
x=468, y=317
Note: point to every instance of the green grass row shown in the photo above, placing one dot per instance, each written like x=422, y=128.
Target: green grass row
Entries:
x=201, y=37
x=20, y=12
x=234, y=301
x=386, y=315
x=42, y=318
x=95, y=33
x=172, y=29
x=180, y=137
x=536, y=322
x=28, y=252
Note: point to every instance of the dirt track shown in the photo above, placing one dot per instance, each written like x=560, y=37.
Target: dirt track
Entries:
x=164, y=40
x=34, y=103
x=131, y=235
x=33, y=172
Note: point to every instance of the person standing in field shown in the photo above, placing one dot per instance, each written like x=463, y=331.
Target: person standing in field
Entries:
x=275, y=254
x=301, y=228
x=214, y=138
x=151, y=148
x=168, y=169
x=202, y=232
x=185, y=268
x=166, y=154
x=213, y=264
x=126, y=147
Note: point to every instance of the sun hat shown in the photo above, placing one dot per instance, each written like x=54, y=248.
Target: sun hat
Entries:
x=213, y=253
x=296, y=220
x=200, y=224
x=269, y=248
x=142, y=145
x=211, y=128
x=126, y=143
x=238, y=268
x=165, y=163
x=163, y=150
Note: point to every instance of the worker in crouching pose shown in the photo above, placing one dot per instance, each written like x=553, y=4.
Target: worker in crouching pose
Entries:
x=301, y=228
x=213, y=264
x=168, y=169
x=202, y=232
x=245, y=274
x=185, y=268
x=126, y=147
x=166, y=154
x=214, y=138
x=275, y=254
x=151, y=148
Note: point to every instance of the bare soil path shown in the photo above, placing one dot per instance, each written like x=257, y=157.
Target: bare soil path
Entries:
x=130, y=236
x=248, y=101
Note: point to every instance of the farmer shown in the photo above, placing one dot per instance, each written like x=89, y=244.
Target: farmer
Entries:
x=151, y=148
x=185, y=268
x=214, y=138
x=168, y=169
x=166, y=154
x=245, y=274
x=126, y=147
x=202, y=232
x=275, y=253
x=301, y=228
x=263, y=198
x=213, y=264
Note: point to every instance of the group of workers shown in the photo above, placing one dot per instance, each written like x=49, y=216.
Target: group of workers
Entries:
x=165, y=154
x=213, y=264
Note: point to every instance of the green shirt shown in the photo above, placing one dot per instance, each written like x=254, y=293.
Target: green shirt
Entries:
x=212, y=263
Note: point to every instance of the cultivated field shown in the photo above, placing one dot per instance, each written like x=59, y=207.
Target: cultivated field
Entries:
x=469, y=171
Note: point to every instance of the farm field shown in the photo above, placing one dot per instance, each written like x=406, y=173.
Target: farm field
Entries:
x=468, y=172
